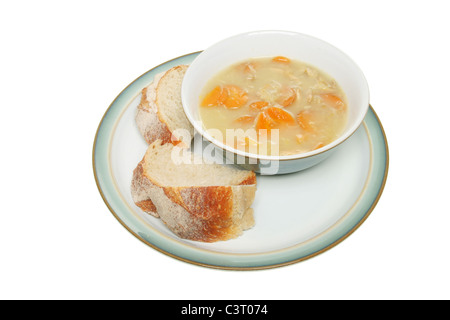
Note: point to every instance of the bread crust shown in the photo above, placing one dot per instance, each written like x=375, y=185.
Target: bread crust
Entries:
x=199, y=213
x=140, y=187
x=149, y=124
x=148, y=119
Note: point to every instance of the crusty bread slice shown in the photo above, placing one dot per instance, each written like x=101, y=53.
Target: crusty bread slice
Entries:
x=160, y=112
x=197, y=201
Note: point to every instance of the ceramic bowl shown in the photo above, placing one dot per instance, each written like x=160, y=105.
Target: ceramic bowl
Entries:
x=296, y=46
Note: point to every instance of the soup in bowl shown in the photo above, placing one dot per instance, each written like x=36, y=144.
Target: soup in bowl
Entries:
x=275, y=99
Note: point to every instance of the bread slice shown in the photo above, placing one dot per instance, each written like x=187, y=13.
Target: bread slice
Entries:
x=160, y=112
x=197, y=201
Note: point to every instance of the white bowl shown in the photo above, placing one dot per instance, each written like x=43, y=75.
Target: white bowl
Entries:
x=296, y=46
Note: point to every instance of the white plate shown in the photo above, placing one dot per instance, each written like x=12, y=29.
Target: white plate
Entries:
x=297, y=216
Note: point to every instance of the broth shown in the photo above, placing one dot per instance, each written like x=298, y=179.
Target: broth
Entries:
x=261, y=95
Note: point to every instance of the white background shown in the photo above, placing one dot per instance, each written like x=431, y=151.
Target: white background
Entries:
x=62, y=64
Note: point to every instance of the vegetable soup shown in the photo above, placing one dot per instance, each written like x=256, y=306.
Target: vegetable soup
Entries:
x=260, y=95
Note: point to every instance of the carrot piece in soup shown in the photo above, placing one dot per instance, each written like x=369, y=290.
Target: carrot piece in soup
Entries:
x=333, y=101
x=304, y=119
x=280, y=116
x=236, y=97
x=320, y=145
x=246, y=67
x=250, y=67
x=264, y=122
x=258, y=105
x=281, y=59
x=245, y=119
x=215, y=97
x=288, y=97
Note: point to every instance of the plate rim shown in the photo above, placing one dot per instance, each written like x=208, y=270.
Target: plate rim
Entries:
x=227, y=267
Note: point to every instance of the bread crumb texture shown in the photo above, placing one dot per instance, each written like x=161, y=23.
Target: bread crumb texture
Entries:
x=201, y=202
